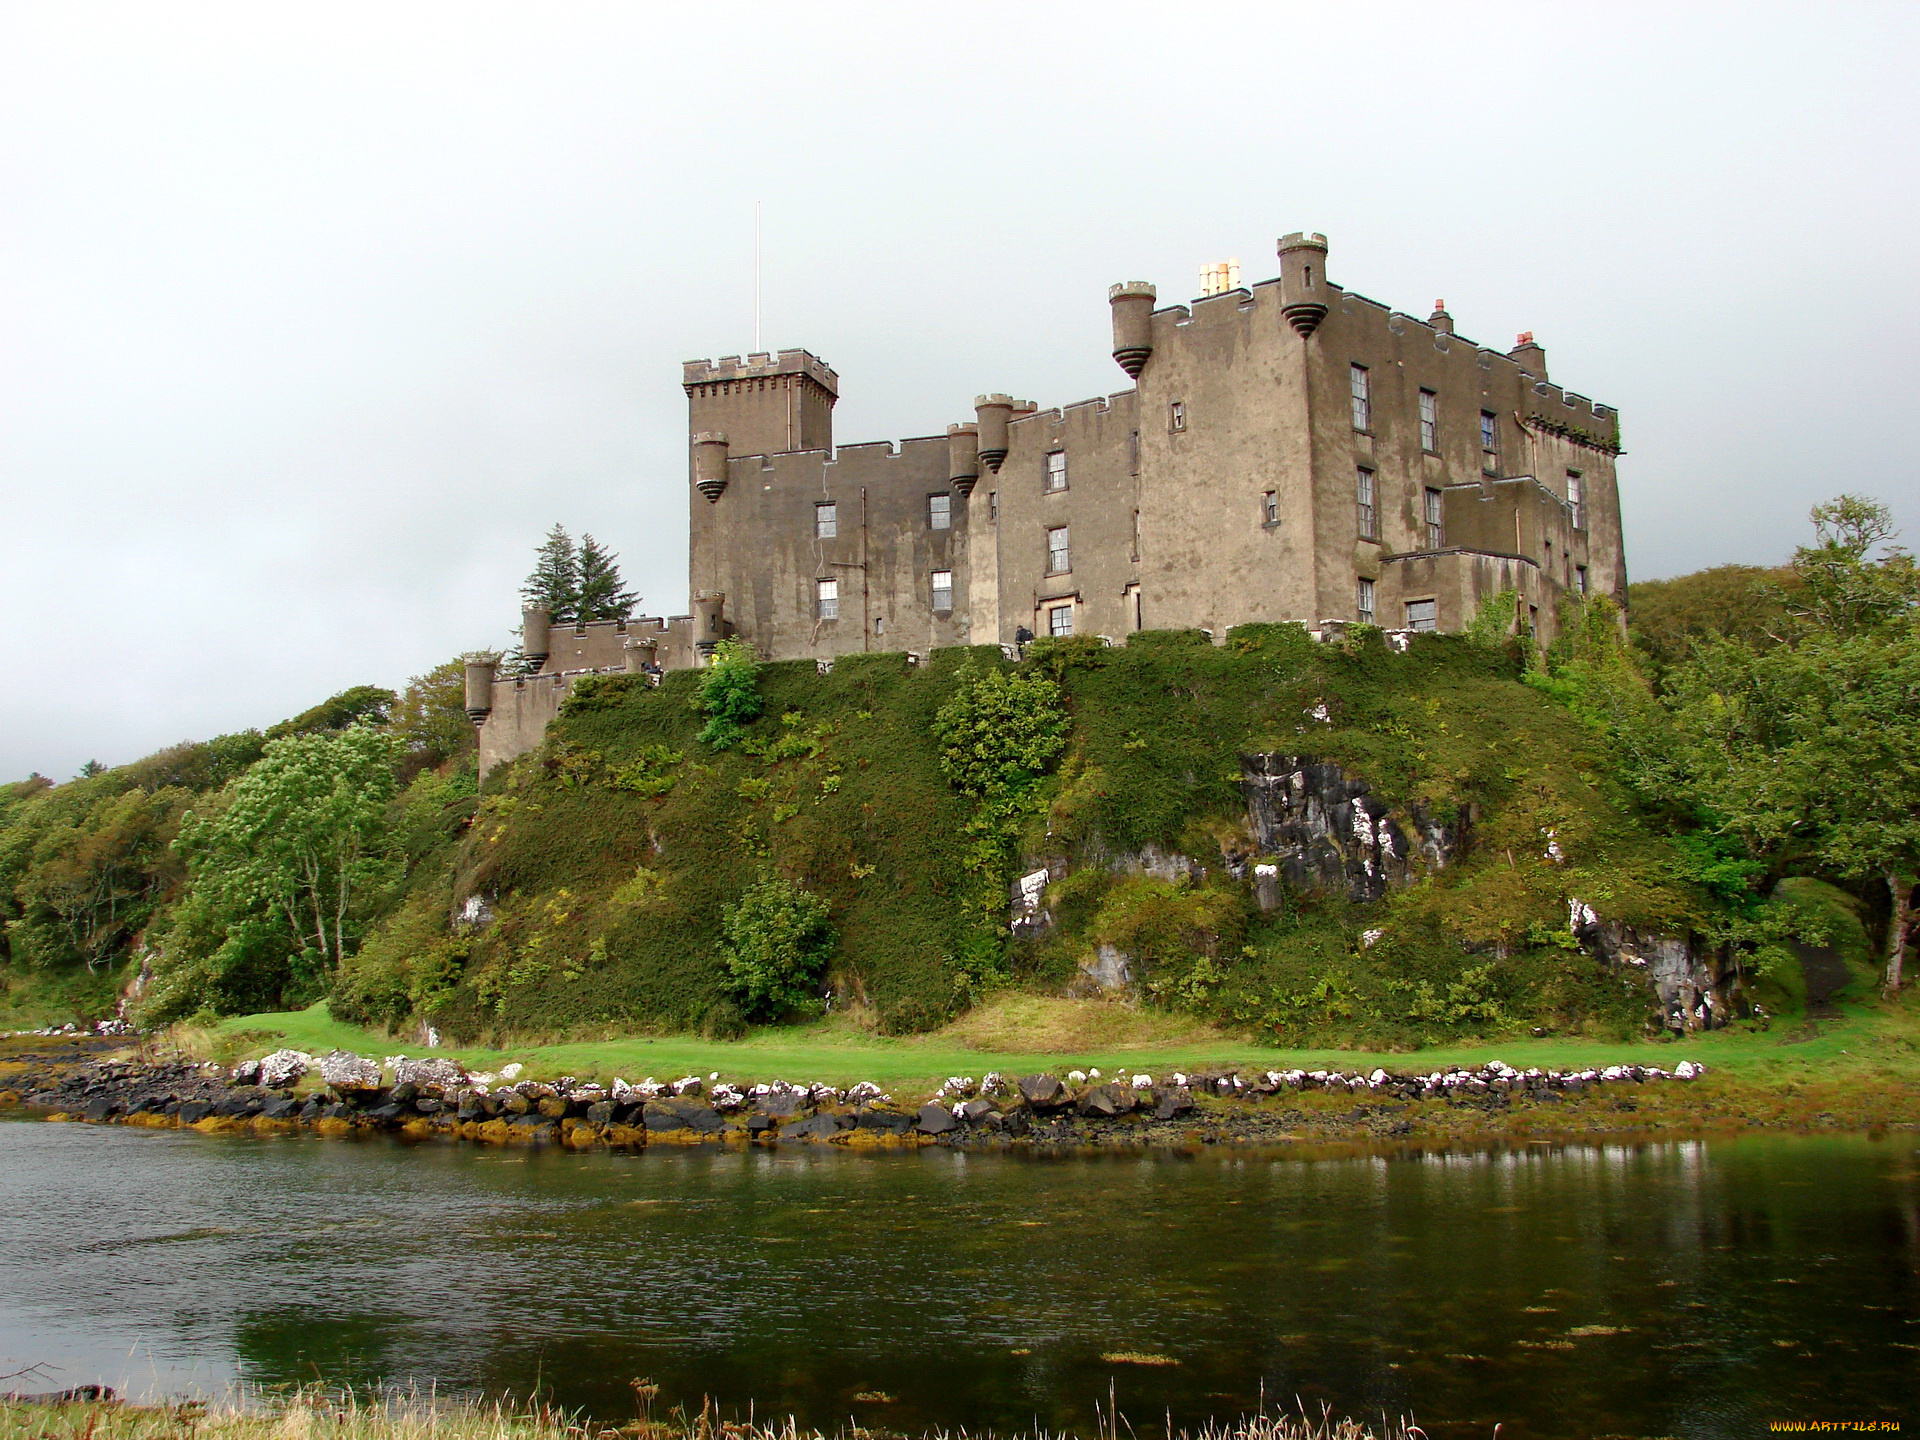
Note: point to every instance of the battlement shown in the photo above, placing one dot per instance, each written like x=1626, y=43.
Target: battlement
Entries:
x=760, y=366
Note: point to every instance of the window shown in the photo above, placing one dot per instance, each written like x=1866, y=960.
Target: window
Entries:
x=1363, y=494
x=940, y=512
x=1423, y=614
x=1058, y=558
x=943, y=589
x=1059, y=620
x=826, y=599
x=1576, y=500
x=1363, y=602
x=826, y=521
x=1270, y=508
x=1056, y=471
x=1490, y=440
x=993, y=506
x=1362, y=397
x=1435, y=531
x=1177, y=415
x=1430, y=422
x=1580, y=578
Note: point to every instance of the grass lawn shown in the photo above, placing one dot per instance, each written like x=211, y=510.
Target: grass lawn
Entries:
x=1021, y=1034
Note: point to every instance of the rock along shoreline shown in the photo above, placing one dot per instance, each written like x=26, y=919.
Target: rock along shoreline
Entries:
x=348, y=1094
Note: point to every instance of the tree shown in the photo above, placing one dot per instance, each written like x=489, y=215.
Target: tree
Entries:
x=1844, y=589
x=600, y=592
x=729, y=694
x=1810, y=750
x=357, y=705
x=554, y=585
x=1000, y=729
x=301, y=842
x=430, y=717
x=1667, y=618
x=776, y=943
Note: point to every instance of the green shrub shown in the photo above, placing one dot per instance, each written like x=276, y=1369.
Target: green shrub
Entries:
x=776, y=943
x=729, y=694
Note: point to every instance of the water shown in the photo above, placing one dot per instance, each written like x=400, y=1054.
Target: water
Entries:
x=1678, y=1288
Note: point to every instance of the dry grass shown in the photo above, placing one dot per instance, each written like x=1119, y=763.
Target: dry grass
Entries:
x=320, y=1416
x=1041, y=1024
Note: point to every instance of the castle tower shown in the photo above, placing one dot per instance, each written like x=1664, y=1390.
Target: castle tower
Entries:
x=765, y=404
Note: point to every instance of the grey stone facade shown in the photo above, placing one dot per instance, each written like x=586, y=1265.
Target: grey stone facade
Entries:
x=1289, y=451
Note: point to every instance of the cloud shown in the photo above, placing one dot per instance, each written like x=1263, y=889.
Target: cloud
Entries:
x=316, y=316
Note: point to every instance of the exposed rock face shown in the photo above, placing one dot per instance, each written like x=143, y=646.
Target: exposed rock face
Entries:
x=1328, y=831
x=1696, y=992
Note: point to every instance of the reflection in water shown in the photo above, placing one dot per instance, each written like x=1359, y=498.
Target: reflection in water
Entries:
x=1680, y=1288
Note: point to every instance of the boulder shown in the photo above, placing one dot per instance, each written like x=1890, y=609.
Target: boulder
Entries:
x=976, y=1111
x=194, y=1111
x=345, y=1071
x=285, y=1108
x=1043, y=1092
x=815, y=1127
x=283, y=1068
x=438, y=1072
x=782, y=1105
x=1173, y=1102
x=663, y=1115
x=1100, y=1103
x=887, y=1122
x=935, y=1120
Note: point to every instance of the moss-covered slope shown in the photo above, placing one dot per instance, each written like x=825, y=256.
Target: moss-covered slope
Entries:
x=588, y=893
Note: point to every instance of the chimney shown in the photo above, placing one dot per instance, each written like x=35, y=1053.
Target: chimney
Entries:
x=1529, y=356
x=1440, y=319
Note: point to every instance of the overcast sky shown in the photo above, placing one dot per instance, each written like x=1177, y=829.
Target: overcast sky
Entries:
x=313, y=317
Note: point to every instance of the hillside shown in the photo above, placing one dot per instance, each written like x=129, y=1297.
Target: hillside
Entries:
x=1359, y=840
x=595, y=875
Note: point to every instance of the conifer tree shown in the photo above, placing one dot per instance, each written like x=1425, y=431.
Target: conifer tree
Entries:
x=601, y=596
x=554, y=585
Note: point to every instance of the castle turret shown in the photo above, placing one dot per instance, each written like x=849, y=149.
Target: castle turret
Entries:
x=536, y=632
x=640, y=654
x=766, y=404
x=1529, y=356
x=709, y=620
x=963, y=457
x=710, y=463
x=480, y=673
x=1132, y=306
x=1303, y=281
x=993, y=413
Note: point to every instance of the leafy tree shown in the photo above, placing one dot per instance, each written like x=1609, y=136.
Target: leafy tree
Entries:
x=776, y=943
x=300, y=843
x=430, y=717
x=729, y=694
x=1844, y=589
x=1746, y=603
x=602, y=594
x=359, y=705
x=91, y=769
x=1000, y=729
x=554, y=585
x=1809, y=751
x=86, y=868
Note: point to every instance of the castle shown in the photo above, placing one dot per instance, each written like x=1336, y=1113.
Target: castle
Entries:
x=1289, y=451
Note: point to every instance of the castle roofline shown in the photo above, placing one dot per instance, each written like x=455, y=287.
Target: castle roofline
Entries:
x=759, y=366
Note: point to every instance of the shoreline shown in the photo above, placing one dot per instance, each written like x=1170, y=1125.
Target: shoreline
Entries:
x=90, y=1080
